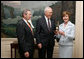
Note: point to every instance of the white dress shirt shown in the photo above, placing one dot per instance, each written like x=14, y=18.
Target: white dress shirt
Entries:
x=29, y=22
x=25, y=21
x=47, y=21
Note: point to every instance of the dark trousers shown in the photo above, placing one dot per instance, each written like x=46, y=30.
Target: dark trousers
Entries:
x=30, y=55
x=46, y=49
x=22, y=56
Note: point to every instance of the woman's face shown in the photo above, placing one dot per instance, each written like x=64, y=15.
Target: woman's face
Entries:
x=66, y=18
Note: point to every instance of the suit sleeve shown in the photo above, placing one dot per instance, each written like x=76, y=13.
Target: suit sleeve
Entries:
x=21, y=34
x=54, y=28
x=71, y=34
x=38, y=28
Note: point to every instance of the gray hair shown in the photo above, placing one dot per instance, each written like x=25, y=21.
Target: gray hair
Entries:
x=25, y=12
x=47, y=9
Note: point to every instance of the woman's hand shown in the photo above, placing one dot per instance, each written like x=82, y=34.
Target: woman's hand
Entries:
x=62, y=33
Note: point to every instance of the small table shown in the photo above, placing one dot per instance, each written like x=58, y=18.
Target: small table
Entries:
x=15, y=46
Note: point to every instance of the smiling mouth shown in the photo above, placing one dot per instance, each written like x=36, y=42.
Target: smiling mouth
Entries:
x=65, y=19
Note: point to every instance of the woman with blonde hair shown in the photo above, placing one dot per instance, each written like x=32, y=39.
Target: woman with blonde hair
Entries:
x=66, y=35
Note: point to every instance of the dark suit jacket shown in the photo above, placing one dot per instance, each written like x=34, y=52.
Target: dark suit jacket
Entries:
x=25, y=37
x=42, y=33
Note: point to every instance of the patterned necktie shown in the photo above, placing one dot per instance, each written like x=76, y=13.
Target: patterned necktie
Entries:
x=30, y=27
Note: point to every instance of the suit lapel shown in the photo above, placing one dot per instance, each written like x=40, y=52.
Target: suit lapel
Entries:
x=45, y=24
x=51, y=23
x=26, y=26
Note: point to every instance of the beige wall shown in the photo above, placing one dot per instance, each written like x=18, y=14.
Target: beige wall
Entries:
x=78, y=44
x=78, y=52
x=5, y=47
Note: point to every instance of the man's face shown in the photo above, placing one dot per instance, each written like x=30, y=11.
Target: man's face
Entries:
x=28, y=16
x=48, y=13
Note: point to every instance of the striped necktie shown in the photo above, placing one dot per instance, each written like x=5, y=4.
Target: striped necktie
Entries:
x=30, y=27
x=48, y=25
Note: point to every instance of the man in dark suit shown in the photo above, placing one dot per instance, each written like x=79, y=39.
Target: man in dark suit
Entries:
x=45, y=27
x=25, y=35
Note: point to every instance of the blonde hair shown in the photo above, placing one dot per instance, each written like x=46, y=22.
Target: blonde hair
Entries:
x=66, y=13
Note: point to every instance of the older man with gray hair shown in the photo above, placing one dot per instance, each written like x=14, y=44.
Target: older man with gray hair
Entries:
x=45, y=27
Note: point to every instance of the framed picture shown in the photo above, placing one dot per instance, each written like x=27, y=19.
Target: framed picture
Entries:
x=11, y=12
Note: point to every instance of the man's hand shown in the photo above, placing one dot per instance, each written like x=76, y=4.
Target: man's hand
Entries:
x=56, y=32
x=40, y=45
x=26, y=54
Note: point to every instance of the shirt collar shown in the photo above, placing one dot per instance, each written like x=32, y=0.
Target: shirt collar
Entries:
x=67, y=23
x=25, y=20
x=46, y=18
x=29, y=22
